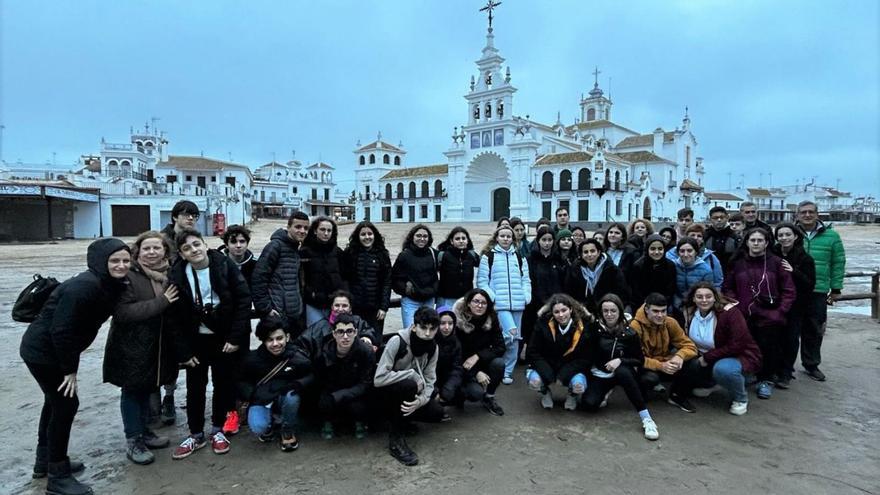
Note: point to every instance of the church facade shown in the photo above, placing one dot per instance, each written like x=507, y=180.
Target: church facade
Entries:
x=504, y=164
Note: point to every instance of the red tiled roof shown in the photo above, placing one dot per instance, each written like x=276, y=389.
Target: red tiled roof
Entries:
x=428, y=170
x=380, y=145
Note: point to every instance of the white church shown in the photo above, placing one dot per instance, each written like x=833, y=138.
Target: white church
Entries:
x=503, y=164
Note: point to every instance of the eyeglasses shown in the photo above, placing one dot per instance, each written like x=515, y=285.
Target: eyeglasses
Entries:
x=421, y=236
x=478, y=302
x=193, y=216
x=344, y=332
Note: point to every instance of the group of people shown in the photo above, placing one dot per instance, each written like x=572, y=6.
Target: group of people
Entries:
x=683, y=312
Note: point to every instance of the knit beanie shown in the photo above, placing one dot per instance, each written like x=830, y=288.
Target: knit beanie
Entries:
x=563, y=233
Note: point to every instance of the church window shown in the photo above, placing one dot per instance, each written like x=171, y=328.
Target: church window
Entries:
x=386, y=159
x=499, y=108
x=607, y=178
x=398, y=212
x=591, y=114
x=397, y=160
x=412, y=190
x=425, y=189
x=477, y=112
x=547, y=181
x=617, y=181
x=293, y=190
x=618, y=207
x=565, y=180
x=438, y=188
x=584, y=179
x=363, y=160
x=475, y=140
x=189, y=178
x=499, y=137
x=388, y=191
x=400, y=190
x=372, y=158
x=488, y=110
x=488, y=79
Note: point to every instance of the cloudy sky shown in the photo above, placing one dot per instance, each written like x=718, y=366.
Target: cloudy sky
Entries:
x=782, y=87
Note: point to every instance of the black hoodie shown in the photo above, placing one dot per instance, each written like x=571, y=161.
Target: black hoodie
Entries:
x=647, y=275
x=322, y=271
x=70, y=319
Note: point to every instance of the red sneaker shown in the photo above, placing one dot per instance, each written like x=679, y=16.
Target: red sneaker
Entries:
x=189, y=445
x=231, y=426
x=219, y=443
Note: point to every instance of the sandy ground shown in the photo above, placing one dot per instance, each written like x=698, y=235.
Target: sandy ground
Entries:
x=813, y=438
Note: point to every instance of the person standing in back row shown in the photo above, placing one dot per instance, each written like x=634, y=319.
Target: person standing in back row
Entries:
x=321, y=268
x=414, y=275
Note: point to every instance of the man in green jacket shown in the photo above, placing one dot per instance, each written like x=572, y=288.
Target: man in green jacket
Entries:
x=826, y=248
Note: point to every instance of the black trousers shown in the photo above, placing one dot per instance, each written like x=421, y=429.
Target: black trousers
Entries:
x=208, y=350
x=369, y=317
x=682, y=382
x=58, y=412
x=770, y=340
x=392, y=396
x=791, y=338
x=354, y=410
x=626, y=377
x=473, y=391
x=813, y=331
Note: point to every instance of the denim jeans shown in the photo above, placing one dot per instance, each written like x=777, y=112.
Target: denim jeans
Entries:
x=135, y=408
x=728, y=373
x=260, y=417
x=510, y=323
x=408, y=309
x=535, y=382
x=442, y=301
x=314, y=315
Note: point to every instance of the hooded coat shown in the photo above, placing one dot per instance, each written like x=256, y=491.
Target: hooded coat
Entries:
x=486, y=341
x=368, y=272
x=688, y=275
x=611, y=281
x=555, y=356
x=546, y=274
x=733, y=340
x=721, y=242
x=648, y=275
x=322, y=272
x=347, y=378
x=418, y=266
x=662, y=342
x=139, y=353
x=763, y=288
x=449, y=370
x=312, y=340
x=390, y=369
x=506, y=281
x=71, y=317
x=275, y=281
x=457, y=268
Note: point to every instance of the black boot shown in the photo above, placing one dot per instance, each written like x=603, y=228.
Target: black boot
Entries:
x=41, y=464
x=62, y=482
x=400, y=450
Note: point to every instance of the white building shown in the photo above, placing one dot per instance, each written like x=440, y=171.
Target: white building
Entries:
x=502, y=164
x=281, y=188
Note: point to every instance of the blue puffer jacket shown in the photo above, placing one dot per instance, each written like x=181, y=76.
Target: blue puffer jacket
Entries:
x=711, y=261
x=509, y=288
x=687, y=276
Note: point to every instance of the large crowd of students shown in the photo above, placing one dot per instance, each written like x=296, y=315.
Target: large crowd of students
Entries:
x=682, y=312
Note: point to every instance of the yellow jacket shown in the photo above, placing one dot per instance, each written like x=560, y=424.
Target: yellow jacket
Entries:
x=660, y=343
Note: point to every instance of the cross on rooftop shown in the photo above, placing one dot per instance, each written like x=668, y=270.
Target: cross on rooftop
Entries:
x=596, y=74
x=490, y=6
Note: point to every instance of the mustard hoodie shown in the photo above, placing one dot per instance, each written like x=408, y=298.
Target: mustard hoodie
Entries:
x=660, y=343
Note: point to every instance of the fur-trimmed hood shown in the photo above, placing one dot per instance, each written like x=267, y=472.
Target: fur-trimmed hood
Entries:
x=463, y=323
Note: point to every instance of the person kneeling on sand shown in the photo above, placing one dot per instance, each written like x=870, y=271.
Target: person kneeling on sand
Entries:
x=405, y=378
x=271, y=379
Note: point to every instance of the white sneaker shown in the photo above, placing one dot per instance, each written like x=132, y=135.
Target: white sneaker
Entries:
x=547, y=400
x=739, y=408
x=650, y=428
x=659, y=388
x=703, y=392
x=571, y=402
x=605, y=399
x=507, y=380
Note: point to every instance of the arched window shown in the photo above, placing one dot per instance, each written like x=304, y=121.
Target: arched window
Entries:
x=386, y=159
x=397, y=160
x=477, y=112
x=607, y=178
x=547, y=181
x=363, y=160
x=372, y=158
x=388, y=191
x=591, y=114
x=438, y=188
x=488, y=110
x=400, y=190
x=412, y=190
x=617, y=181
x=565, y=180
x=425, y=189
x=584, y=179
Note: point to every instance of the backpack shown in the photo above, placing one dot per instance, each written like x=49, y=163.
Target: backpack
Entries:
x=403, y=348
x=31, y=300
x=490, y=257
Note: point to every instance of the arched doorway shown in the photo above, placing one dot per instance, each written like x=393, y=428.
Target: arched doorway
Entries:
x=646, y=209
x=500, y=203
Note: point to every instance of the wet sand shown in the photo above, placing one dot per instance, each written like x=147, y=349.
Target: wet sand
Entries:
x=813, y=438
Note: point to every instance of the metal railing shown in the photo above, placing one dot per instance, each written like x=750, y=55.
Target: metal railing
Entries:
x=874, y=295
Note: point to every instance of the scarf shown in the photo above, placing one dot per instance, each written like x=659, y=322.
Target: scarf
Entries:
x=592, y=275
x=615, y=255
x=419, y=346
x=158, y=275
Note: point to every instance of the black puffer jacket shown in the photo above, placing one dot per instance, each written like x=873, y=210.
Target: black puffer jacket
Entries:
x=315, y=336
x=647, y=276
x=348, y=378
x=547, y=273
x=231, y=321
x=70, y=319
x=139, y=353
x=295, y=375
x=723, y=244
x=275, y=281
x=368, y=272
x=484, y=340
x=457, y=268
x=449, y=370
x=419, y=266
x=555, y=356
x=605, y=346
x=611, y=281
x=322, y=273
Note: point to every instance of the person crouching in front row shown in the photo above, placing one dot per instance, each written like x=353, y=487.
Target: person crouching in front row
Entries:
x=405, y=378
x=272, y=378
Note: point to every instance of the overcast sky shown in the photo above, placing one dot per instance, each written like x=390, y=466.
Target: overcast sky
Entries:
x=788, y=87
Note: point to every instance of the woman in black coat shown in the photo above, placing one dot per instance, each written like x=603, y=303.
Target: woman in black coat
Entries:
x=138, y=356
x=795, y=260
x=368, y=272
x=449, y=370
x=457, y=263
x=52, y=344
x=414, y=275
x=547, y=271
x=482, y=348
x=619, y=251
x=321, y=268
x=593, y=276
x=653, y=272
x=558, y=351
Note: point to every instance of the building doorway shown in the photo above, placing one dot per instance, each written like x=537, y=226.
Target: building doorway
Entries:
x=130, y=220
x=646, y=209
x=500, y=203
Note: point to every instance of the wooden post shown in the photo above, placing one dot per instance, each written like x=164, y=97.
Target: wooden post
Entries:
x=875, y=301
